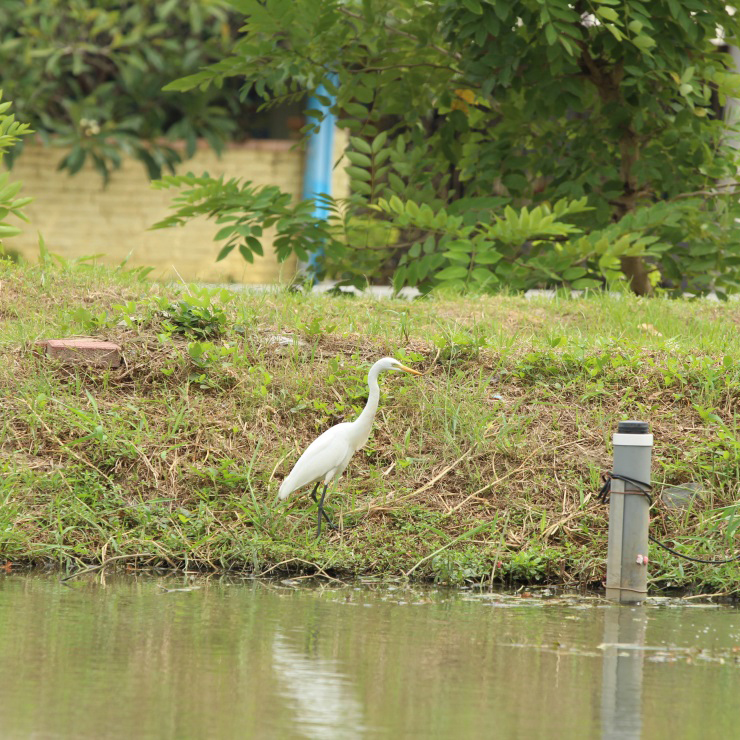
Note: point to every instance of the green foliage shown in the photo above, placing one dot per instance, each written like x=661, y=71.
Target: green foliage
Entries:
x=204, y=353
x=88, y=76
x=197, y=313
x=316, y=328
x=515, y=247
x=458, y=568
x=493, y=113
x=532, y=565
x=209, y=362
x=87, y=319
x=458, y=347
x=11, y=132
x=722, y=449
x=244, y=210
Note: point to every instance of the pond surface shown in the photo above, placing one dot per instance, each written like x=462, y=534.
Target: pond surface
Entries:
x=121, y=657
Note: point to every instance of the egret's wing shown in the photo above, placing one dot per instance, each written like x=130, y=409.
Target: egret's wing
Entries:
x=324, y=455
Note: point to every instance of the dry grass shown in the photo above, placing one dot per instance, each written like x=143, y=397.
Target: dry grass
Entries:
x=486, y=467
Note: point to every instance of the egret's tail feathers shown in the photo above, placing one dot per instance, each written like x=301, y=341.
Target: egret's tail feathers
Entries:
x=285, y=489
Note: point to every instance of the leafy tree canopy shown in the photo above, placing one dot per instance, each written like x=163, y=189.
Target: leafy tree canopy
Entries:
x=88, y=76
x=515, y=141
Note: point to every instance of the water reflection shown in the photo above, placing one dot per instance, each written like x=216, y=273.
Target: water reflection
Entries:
x=621, y=685
x=224, y=658
x=322, y=700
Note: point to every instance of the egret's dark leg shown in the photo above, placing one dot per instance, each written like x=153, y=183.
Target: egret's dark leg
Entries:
x=322, y=512
x=321, y=509
x=313, y=493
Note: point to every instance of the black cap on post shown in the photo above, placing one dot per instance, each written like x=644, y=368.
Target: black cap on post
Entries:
x=633, y=427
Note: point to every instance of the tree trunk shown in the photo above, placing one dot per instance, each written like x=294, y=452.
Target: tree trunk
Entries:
x=635, y=270
x=607, y=81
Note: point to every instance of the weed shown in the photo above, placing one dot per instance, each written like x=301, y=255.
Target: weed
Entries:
x=197, y=314
x=457, y=568
x=89, y=321
x=532, y=565
x=458, y=346
x=415, y=519
x=315, y=327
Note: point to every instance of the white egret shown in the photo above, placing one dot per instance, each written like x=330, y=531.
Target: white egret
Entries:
x=326, y=458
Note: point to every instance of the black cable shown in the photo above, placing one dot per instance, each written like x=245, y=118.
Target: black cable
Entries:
x=693, y=560
x=644, y=489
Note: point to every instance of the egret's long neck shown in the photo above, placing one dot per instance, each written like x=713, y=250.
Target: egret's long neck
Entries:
x=364, y=421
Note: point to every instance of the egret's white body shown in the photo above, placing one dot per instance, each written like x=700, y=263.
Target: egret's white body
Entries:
x=327, y=457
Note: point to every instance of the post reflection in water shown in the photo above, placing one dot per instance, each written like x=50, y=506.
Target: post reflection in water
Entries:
x=323, y=700
x=624, y=656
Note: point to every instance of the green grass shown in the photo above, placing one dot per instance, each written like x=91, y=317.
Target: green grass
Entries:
x=484, y=469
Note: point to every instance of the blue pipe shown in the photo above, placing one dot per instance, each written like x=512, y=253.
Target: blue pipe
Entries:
x=318, y=170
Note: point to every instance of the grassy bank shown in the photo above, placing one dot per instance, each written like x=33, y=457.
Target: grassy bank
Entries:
x=485, y=468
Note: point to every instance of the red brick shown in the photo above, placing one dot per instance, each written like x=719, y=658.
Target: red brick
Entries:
x=83, y=351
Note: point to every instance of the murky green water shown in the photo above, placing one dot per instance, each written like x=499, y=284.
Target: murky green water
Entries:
x=123, y=658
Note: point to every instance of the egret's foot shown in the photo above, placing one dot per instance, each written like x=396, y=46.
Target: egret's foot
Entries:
x=329, y=522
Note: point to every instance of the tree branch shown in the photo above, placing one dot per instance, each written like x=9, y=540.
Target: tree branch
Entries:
x=409, y=66
x=729, y=189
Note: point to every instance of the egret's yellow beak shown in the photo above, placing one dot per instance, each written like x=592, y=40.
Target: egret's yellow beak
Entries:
x=409, y=370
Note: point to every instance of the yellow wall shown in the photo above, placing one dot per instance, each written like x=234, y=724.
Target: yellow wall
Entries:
x=77, y=216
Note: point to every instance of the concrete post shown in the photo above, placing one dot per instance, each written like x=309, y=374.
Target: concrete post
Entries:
x=629, y=514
